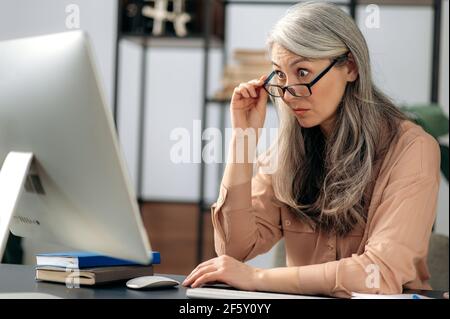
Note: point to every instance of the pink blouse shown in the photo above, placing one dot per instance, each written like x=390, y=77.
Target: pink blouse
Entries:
x=386, y=255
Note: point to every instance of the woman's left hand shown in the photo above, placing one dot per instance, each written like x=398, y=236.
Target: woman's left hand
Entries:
x=224, y=269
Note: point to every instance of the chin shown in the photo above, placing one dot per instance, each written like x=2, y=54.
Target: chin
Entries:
x=306, y=123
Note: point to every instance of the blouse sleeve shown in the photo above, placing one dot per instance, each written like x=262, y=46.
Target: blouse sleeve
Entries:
x=246, y=219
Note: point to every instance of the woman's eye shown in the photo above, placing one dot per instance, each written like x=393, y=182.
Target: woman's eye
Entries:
x=279, y=74
x=303, y=73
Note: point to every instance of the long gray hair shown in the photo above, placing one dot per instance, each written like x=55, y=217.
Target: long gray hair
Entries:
x=326, y=180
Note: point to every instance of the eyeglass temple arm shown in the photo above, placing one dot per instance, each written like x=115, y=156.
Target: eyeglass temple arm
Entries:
x=271, y=75
x=322, y=74
x=338, y=59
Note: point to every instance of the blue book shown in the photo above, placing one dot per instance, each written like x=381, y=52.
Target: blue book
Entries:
x=80, y=260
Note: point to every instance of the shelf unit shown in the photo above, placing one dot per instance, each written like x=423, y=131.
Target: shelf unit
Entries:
x=207, y=42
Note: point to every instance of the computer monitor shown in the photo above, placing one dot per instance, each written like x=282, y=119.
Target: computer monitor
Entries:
x=64, y=178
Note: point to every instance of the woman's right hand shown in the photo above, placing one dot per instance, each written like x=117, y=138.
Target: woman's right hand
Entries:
x=248, y=105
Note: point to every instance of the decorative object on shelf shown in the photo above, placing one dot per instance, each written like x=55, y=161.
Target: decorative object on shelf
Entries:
x=249, y=64
x=160, y=13
x=170, y=18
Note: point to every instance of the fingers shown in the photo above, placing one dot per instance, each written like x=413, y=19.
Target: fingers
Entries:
x=252, y=91
x=208, y=277
x=243, y=91
x=203, y=264
x=262, y=100
x=263, y=95
x=200, y=272
x=248, y=89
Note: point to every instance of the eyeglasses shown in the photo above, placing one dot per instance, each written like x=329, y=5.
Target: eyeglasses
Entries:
x=300, y=89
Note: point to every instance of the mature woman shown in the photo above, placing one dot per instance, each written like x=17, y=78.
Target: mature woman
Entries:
x=355, y=191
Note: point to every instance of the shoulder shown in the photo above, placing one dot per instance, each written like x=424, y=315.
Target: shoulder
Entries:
x=410, y=132
x=414, y=151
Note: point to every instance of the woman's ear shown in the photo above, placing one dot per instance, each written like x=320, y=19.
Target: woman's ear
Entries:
x=352, y=68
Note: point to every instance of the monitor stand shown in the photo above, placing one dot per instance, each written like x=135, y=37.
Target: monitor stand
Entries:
x=13, y=175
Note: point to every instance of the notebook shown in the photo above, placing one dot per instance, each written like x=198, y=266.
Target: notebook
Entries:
x=91, y=276
x=80, y=260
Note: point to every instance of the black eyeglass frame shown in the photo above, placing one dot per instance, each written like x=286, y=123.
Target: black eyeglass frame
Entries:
x=307, y=85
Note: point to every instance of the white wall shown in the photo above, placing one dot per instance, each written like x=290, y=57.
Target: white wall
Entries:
x=402, y=69
x=24, y=18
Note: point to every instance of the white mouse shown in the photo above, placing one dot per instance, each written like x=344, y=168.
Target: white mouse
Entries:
x=148, y=282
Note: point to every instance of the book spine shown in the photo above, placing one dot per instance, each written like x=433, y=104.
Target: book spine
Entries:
x=103, y=277
x=104, y=261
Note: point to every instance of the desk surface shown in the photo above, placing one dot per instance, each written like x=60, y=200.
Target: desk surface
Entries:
x=20, y=279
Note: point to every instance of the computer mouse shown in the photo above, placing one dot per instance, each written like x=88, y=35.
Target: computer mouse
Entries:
x=149, y=282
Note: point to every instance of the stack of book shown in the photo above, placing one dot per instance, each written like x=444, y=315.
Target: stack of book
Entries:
x=85, y=268
x=249, y=65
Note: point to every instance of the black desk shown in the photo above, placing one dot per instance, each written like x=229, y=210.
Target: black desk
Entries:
x=20, y=279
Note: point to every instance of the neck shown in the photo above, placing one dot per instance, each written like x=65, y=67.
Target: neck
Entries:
x=327, y=127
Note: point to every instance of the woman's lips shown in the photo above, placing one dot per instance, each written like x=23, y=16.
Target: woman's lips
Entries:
x=300, y=111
